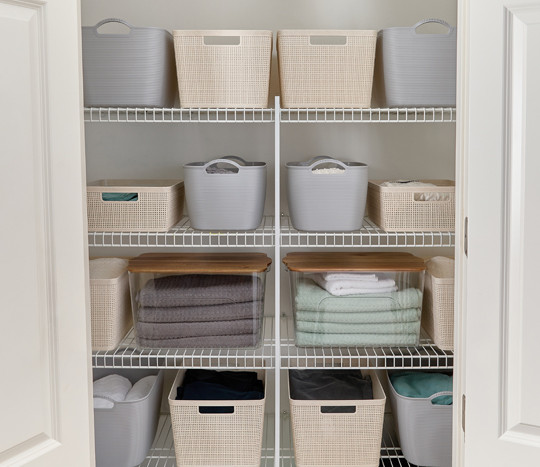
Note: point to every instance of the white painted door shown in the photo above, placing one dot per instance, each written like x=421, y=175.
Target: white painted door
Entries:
x=45, y=413
x=500, y=139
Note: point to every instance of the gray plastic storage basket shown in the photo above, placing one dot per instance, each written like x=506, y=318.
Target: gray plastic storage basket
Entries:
x=415, y=69
x=135, y=69
x=230, y=198
x=424, y=429
x=125, y=432
x=326, y=202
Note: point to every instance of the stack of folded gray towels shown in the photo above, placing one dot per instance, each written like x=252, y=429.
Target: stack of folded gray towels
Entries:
x=200, y=311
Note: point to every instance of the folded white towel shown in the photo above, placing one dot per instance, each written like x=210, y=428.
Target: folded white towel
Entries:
x=141, y=388
x=342, y=288
x=349, y=276
x=114, y=387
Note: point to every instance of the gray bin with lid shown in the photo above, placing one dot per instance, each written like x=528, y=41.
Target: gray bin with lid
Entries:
x=225, y=194
x=327, y=202
x=135, y=69
x=125, y=432
x=414, y=69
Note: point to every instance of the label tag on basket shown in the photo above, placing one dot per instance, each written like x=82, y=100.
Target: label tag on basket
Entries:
x=221, y=40
x=328, y=40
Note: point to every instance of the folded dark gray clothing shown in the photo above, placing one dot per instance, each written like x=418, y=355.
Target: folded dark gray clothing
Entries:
x=213, y=328
x=189, y=314
x=206, y=342
x=200, y=290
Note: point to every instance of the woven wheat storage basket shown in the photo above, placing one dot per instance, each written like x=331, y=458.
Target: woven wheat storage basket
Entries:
x=153, y=205
x=405, y=208
x=339, y=439
x=226, y=69
x=217, y=439
x=326, y=68
x=438, y=307
x=110, y=305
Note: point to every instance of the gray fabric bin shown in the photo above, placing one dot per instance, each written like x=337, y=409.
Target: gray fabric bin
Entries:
x=327, y=202
x=136, y=69
x=416, y=70
x=125, y=432
x=225, y=194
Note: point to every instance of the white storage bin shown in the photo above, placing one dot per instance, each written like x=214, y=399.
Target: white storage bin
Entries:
x=217, y=439
x=135, y=69
x=412, y=208
x=125, y=432
x=416, y=70
x=322, y=200
x=110, y=307
x=226, y=69
x=326, y=68
x=153, y=205
x=339, y=439
x=230, y=198
x=438, y=316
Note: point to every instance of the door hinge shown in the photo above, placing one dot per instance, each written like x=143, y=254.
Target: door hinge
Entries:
x=463, y=402
x=466, y=237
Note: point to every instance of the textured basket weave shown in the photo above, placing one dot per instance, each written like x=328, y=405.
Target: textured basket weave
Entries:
x=315, y=75
x=395, y=208
x=339, y=439
x=438, y=307
x=159, y=206
x=221, y=75
x=217, y=440
x=109, y=302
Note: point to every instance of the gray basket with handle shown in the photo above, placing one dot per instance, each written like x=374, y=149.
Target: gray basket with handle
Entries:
x=225, y=198
x=327, y=202
x=135, y=69
x=414, y=69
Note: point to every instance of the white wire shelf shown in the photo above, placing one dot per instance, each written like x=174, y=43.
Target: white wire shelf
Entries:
x=370, y=235
x=372, y=115
x=182, y=234
x=426, y=355
x=176, y=115
x=127, y=355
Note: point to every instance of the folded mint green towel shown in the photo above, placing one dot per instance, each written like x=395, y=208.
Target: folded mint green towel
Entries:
x=351, y=328
x=309, y=339
x=419, y=384
x=409, y=315
x=120, y=196
x=311, y=297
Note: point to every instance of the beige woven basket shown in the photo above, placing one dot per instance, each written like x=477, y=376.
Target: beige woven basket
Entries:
x=438, y=306
x=217, y=440
x=226, y=69
x=110, y=306
x=400, y=209
x=340, y=439
x=158, y=207
x=326, y=68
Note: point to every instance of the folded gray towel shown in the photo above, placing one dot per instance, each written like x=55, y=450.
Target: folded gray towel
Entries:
x=207, y=342
x=213, y=328
x=197, y=314
x=200, y=290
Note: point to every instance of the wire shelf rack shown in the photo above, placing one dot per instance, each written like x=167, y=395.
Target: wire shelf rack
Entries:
x=127, y=355
x=426, y=355
x=370, y=235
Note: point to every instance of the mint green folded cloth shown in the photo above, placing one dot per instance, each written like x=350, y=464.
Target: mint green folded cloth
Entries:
x=363, y=317
x=312, y=339
x=119, y=196
x=420, y=384
x=352, y=328
x=311, y=297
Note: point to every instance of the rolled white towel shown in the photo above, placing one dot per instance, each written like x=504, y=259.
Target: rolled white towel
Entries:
x=342, y=288
x=141, y=388
x=114, y=387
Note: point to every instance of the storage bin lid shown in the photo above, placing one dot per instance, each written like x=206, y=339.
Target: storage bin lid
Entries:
x=133, y=185
x=342, y=261
x=200, y=263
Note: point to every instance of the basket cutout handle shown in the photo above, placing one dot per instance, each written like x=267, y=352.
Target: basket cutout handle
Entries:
x=328, y=161
x=128, y=197
x=338, y=409
x=432, y=20
x=328, y=40
x=236, y=158
x=222, y=40
x=439, y=394
x=417, y=197
x=113, y=20
x=216, y=410
x=222, y=161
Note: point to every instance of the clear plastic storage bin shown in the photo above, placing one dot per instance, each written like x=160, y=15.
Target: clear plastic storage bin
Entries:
x=198, y=300
x=356, y=299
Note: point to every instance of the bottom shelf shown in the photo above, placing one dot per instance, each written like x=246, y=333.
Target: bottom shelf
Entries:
x=162, y=452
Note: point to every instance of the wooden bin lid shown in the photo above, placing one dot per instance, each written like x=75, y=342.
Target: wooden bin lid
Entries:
x=344, y=261
x=200, y=263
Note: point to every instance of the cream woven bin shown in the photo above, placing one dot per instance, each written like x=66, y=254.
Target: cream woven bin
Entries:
x=401, y=208
x=157, y=206
x=226, y=69
x=326, y=68
x=110, y=305
x=339, y=439
x=438, y=307
x=217, y=440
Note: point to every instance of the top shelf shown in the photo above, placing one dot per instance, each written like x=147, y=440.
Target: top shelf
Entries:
x=192, y=115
